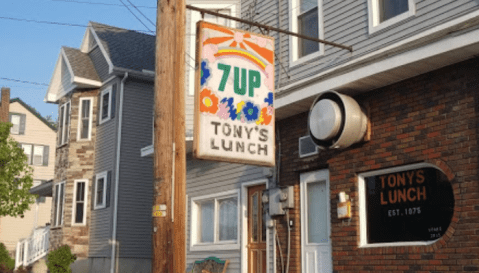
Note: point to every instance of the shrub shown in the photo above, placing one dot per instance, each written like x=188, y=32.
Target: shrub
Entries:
x=60, y=259
x=6, y=262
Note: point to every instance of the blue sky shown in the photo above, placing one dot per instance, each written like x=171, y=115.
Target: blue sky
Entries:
x=29, y=50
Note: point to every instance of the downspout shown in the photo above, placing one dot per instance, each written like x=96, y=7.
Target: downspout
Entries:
x=117, y=176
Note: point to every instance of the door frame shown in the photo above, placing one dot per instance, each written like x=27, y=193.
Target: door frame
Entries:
x=244, y=224
x=304, y=179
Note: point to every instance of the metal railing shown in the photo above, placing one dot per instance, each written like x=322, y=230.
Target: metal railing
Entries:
x=32, y=249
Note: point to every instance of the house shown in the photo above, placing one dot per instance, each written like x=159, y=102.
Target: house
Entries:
x=36, y=136
x=404, y=105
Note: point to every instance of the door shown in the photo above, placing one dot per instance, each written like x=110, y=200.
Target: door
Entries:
x=256, y=231
x=315, y=223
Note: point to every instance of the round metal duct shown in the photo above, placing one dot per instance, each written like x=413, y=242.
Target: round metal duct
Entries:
x=336, y=121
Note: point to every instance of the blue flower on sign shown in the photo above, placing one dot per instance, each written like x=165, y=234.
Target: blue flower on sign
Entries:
x=232, y=109
x=250, y=111
x=269, y=99
x=205, y=72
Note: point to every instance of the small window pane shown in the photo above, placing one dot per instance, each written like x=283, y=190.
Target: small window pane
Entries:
x=60, y=125
x=308, y=25
x=104, y=108
x=254, y=217
x=307, y=5
x=80, y=194
x=55, y=213
x=38, y=155
x=27, y=149
x=60, y=207
x=99, y=191
x=228, y=219
x=79, y=213
x=85, y=119
x=317, y=212
x=16, y=124
x=206, y=221
x=67, y=121
x=391, y=8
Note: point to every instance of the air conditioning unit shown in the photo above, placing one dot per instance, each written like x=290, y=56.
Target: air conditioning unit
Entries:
x=336, y=121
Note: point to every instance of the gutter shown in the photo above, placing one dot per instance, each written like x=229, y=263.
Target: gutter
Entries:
x=117, y=176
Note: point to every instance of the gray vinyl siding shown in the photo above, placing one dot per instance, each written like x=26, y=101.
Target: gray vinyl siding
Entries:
x=207, y=177
x=66, y=77
x=135, y=195
x=105, y=160
x=100, y=63
x=346, y=22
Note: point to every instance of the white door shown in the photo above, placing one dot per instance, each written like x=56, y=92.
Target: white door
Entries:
x=315, y=223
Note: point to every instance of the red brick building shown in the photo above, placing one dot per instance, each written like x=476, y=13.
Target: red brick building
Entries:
x=431, y=118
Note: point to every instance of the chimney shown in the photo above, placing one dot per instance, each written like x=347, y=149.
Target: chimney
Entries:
x=5, y=104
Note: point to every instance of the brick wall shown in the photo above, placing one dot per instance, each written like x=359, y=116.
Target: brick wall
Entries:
x=5, y=104
x=76, y=160
x=430, y=118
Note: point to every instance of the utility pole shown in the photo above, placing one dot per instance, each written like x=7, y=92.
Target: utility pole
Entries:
x=169, y=185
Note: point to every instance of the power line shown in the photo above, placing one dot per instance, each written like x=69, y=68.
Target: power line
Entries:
x=65, y=24
x=22, y=81
x=99, y=3
x=135, y=16
x=141, y=13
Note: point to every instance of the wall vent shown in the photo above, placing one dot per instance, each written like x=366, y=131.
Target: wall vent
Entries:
x=307, y=147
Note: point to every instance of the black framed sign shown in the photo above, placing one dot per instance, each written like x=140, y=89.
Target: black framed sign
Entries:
x=411, y=205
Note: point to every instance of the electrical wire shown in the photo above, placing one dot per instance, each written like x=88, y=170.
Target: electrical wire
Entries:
x=135, y=15
x=65, y=24
x=141, y=13
x=99, y=3
x=23, y=81
x=279, y=246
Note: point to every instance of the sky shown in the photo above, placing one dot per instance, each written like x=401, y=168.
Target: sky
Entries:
x=29, y=50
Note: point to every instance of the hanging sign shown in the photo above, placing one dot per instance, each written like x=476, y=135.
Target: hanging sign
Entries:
x=234, y=111
x=411, y=205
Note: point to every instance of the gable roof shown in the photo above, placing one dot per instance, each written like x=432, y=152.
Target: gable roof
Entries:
x=126, y=49
x=81, y=64
x=34, y=112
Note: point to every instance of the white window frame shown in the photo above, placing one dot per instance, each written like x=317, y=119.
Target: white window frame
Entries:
x=85, y=202
x=33, y=155
x=106, y=90
x=216, y=244
x=294, y=58
x=64, y=130
x=99, y=176
x=363, y=225
x=373, y=16
x=90, y=121
x=233, y=6
x=59, y=222
x=19, y=122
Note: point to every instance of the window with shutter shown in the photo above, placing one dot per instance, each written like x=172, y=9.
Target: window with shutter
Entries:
x=15, y=120
x=105, y=105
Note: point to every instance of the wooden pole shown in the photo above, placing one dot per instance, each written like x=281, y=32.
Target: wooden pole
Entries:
x=168, y=239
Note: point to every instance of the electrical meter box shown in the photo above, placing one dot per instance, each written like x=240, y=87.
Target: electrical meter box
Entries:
x=280, y=199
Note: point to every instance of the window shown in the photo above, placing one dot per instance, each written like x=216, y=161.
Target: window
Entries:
x=227, y=8
x=407, y=205
x=17, y=120
x=384, y=13
x=100, y=190
x=36, y=154
x=306, y=19
x=105, y=105
x=84, y=119
x=79, y=202
x=58, y=205
x=215, y=221
x=64, y=124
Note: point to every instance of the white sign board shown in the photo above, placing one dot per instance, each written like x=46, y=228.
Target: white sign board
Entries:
x=234, y=95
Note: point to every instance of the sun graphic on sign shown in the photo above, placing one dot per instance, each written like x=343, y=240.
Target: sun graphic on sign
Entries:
x=241, y=44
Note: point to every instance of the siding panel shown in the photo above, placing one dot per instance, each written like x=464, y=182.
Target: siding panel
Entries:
x=136, y=176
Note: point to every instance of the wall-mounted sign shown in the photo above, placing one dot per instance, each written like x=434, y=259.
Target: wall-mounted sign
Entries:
x=234, y=111
x=407, y=206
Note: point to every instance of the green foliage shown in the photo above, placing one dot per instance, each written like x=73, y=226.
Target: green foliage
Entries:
x=15, y=176
x=6, y=262
x=59, y=260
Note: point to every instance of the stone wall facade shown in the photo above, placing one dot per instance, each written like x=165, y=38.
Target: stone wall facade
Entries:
x=431, y=118
x=75, y=160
